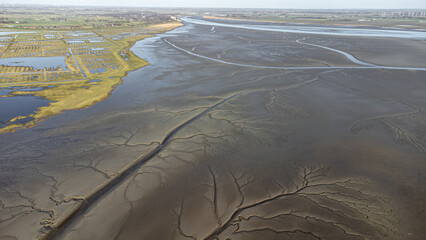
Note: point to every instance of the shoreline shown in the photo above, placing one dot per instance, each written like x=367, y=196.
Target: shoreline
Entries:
x=11, y=128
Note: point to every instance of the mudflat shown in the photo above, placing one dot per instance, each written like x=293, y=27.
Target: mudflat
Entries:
x=233, y=133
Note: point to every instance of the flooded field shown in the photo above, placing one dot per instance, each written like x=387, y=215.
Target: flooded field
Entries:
x=36, y=63
x=233, y=131
x=24, y=105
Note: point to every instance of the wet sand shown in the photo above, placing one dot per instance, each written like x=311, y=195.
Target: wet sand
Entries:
x=193, y=148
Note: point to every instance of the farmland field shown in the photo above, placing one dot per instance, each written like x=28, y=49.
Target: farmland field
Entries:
x=71, y=69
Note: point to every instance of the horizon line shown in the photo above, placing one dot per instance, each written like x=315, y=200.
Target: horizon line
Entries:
x=180, y=7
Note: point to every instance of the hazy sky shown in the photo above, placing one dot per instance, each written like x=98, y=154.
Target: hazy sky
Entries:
x=239, y=3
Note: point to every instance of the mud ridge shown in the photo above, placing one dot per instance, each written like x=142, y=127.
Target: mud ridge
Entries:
x=88, y=202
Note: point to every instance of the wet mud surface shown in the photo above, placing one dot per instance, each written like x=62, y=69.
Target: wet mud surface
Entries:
x=226, y=135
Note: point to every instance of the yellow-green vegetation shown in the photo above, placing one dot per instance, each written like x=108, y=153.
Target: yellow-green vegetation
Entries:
x=51, y=17
x=96, y=61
